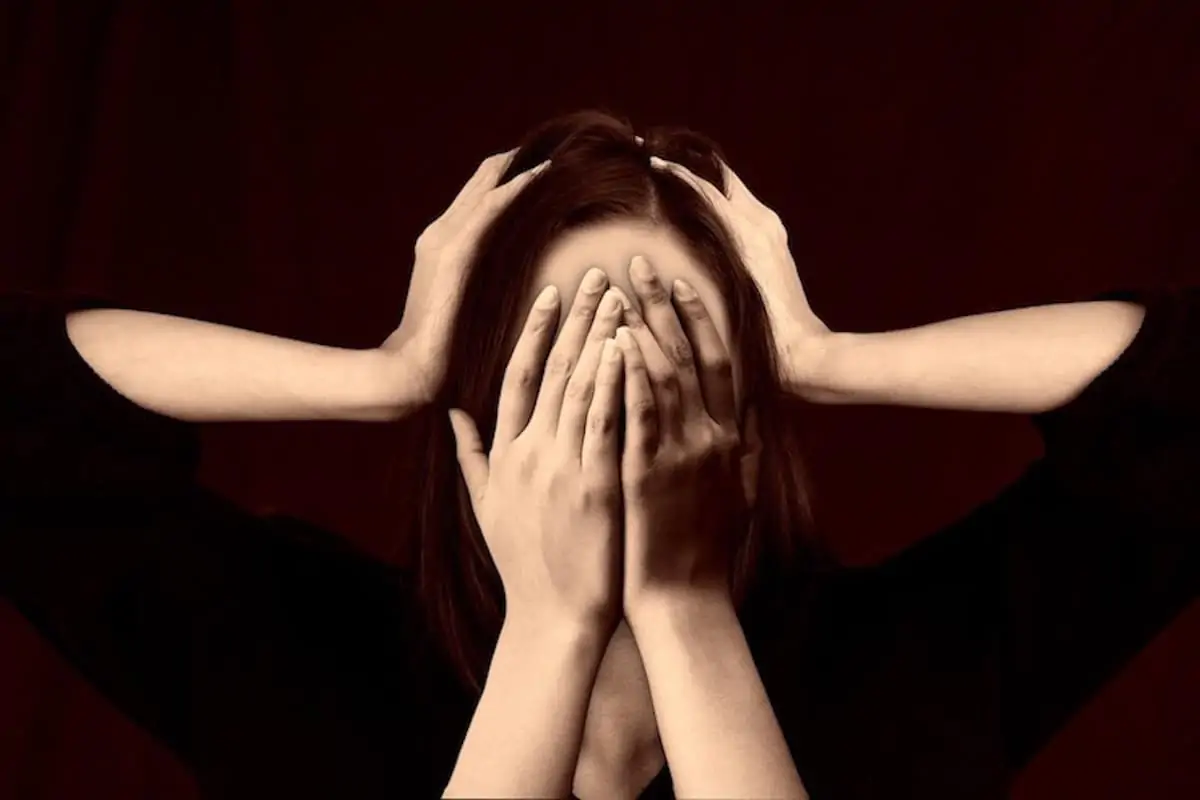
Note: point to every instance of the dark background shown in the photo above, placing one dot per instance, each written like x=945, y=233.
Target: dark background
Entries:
x=271, y=165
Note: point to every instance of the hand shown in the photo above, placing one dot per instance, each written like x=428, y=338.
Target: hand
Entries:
x=442, y=253
x=800, y=335
x=685, y=509
x=548, y=496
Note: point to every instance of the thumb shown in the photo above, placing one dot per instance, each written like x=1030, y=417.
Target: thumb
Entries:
x=471, y=459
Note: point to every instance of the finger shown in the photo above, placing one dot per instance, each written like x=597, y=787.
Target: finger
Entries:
x=564, y=355
x=736, y=217
x=642, y=430
x=718, y=200
x=522, y=376
x=740, y=210
x=661, y=375
x=471, y=459
x=577, y=399
x=600, y=447
x=486, y=175
x=481, y=213
x=711, y=354
x=484, y=205
x=672, y=340
x=737, y=188
x=500, y=196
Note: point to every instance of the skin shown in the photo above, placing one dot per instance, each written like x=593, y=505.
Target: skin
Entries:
x=621, y=751
x=610, y=246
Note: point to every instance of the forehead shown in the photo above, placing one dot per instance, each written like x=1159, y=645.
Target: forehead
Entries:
x=610, y=246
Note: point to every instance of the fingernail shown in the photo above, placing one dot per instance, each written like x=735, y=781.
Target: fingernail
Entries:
x=610, y=303
x=610, y=350
x=595, y=279
x=623, y=337
x=655, y=161
x=683, y=291
x=540, y=168
x=640, y=268
x=620, y=295
x=547, y=297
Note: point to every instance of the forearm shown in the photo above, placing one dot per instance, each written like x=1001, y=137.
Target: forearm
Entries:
x=525, y=735
x=201, y=371
x=1026, y=360
x=718, y=729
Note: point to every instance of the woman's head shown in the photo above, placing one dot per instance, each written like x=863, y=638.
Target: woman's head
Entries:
x=599, y=204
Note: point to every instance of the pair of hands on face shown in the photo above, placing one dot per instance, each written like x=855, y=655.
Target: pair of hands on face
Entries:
x=582, y=526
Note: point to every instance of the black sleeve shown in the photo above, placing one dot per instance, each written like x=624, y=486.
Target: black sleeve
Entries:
x=111, y=550
x=1057, y=583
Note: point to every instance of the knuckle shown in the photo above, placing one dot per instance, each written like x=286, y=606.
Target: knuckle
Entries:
x=667, y=384
x=644, y=411
x=541, y=320
x=490, y=199
x=524, y=376
x=527, y=465
x=705, y=438
x=632, y=319
x=669, y=399
x=583, y=310
x=554, y=470
x=636, y=482
x=578, y=389
x=559, y=364
x=636, y=366
x=654, y=293
x=600, y=422
x=678, y=351
x=596, y=491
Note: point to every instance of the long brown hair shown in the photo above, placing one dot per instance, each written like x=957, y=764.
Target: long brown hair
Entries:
x=599, y=173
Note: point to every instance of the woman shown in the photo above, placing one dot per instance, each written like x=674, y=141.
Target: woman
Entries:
x=596, y=207
x=275, y=659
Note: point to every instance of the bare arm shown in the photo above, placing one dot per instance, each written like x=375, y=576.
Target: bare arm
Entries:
x=718, y=729
x=1026, y=360
x=201, y=371
x=524, y=738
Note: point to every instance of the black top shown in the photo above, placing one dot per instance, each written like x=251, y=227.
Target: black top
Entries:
x=278, y=660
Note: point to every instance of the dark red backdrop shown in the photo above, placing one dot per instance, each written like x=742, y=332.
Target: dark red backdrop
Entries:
x=270, y=166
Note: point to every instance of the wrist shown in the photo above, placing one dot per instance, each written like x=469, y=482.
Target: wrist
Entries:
x=680, y=613
x=400, y=380
x=810, y=364
x=540, y=634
